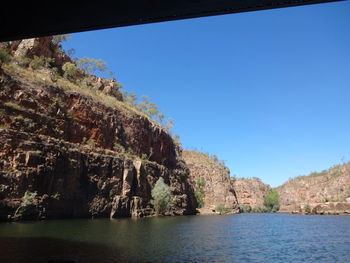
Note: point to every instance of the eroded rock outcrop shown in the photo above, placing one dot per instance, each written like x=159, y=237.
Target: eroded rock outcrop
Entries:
x=40, y=47
x=251, y=192
x=217, y=184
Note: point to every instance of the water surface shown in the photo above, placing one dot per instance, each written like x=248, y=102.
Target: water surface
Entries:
x=228, y=238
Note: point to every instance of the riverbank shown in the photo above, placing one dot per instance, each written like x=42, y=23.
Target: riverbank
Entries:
x=327, y=208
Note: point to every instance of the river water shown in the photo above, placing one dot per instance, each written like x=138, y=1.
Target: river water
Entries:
x=227, y=238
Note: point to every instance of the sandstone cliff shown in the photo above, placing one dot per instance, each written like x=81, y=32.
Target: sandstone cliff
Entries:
x=214, y=178
x=76, y=150
x=327, y=192
x=251, y=191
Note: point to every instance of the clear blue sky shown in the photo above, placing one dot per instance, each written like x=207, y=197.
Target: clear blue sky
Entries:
x=268, y=91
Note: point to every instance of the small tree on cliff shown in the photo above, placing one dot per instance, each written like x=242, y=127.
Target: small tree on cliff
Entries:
x=57, y=39
x=70, y=70
x=162, y=197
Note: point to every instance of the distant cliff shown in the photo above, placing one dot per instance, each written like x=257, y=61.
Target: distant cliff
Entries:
x=327, y=192
x=71, y=147
x=251, y=192
x=212, y=183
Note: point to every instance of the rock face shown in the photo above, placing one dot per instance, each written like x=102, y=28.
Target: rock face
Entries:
x=325, y=192
x=70, y=116
x=79, y=155
x=218, y=187
x=251, y=192
x=43, y=46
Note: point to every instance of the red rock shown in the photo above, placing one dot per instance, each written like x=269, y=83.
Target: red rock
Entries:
x=219, y=190
x=251, y=192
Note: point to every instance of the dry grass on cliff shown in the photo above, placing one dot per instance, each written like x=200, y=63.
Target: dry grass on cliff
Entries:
x=42, y=78
x=201, y=158
x=331, y=173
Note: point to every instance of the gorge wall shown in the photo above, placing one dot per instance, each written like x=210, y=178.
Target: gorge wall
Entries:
x=251, y=192
x=214, y=179
x=74, y=148
x=327, y=192
x=78, y=152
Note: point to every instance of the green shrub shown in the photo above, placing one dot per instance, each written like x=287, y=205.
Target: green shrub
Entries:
x=70, y=70
x=144, y=156
x=307, y=208
x=200, y=193
x=245, y=208
x=91, y=142
x=271, y=202
x=117, y=147
x=161, y=197
x=55, y=72
x=2, y=188
x=221, y=209
x=56, y=196
x=5, y=57
x=41, y=62
x=28, y=198
x=129, y=151
x=259, y=209
x=24, y=61
x=111, y=194
x=14, y=105
x=37, y=62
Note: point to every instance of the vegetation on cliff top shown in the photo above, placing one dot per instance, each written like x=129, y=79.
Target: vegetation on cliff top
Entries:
x=78, y=75
x=334, y=171
x=204, y=157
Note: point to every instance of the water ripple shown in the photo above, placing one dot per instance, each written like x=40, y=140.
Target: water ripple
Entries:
x=233, y=238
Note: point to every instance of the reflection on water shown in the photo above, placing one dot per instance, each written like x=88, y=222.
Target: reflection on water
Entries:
x=231, y=238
